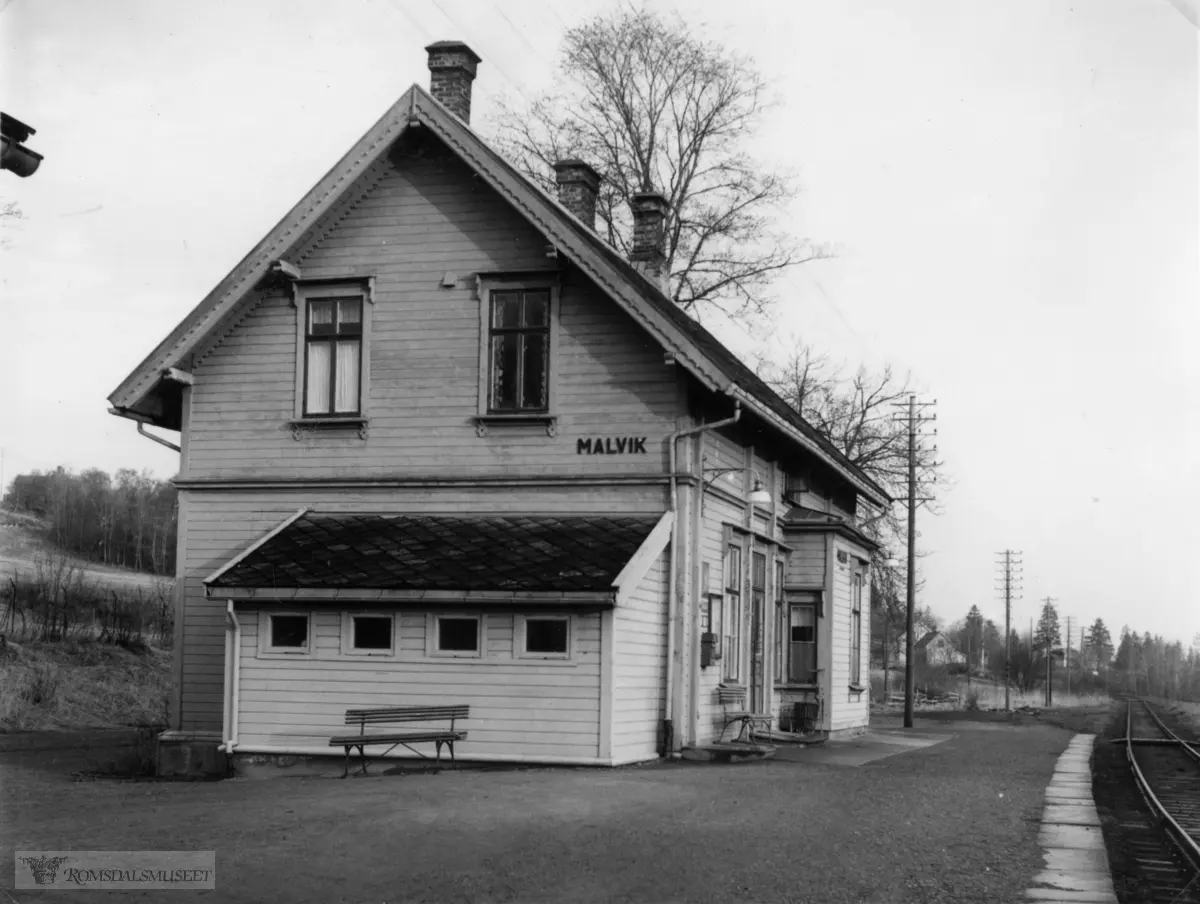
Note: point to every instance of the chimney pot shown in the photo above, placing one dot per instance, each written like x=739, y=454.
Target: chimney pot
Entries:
x=452, y=66
x=649, y=255
x=578, y=185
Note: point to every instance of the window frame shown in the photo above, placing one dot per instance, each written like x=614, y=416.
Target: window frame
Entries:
x=304, y=292
x=487, y=287
x=347, y=635
x=856, y=594
x=431, y=636
x=520, y=637
x=268, y=650
x=731, y=621
x=780, y=620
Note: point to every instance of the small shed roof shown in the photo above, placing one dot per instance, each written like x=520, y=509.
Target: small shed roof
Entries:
x=507, y=553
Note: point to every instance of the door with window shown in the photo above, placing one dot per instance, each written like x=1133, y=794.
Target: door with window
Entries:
x=758, y=598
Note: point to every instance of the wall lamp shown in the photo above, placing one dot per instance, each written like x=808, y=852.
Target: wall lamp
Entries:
x=759, y=495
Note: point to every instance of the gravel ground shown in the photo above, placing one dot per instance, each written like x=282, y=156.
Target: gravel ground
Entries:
x=955, y=822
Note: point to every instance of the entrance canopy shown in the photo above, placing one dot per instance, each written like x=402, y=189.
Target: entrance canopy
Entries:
x=493, y=558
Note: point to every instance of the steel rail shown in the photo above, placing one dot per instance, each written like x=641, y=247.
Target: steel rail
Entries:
x=1187, y=844
x=1188, y=746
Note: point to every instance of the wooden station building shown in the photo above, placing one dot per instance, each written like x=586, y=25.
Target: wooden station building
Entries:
x=440, y=443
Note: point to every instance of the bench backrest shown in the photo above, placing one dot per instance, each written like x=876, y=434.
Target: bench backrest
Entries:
x=734, y=695
x=406, y=714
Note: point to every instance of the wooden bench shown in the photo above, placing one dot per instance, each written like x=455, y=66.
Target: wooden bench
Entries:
x=732, y=698
x=393, y=714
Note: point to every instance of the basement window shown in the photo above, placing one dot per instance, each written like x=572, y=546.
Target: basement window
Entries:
x=368, y=634
x=455, y=635
x=285, y=633
x=543, y=637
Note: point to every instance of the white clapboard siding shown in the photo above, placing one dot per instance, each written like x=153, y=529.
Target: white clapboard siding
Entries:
x=640, y=666
x=806, y=564
x=222, y=524
x=424, y=218
x=847, y=709
x=520, y=708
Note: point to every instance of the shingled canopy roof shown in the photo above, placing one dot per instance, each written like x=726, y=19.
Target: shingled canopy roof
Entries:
x=507, y=554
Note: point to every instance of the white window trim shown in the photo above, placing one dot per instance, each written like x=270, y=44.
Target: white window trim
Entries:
x=302, y=293
x=431, y=636
x=519, y=636
x=266, y=651
x=347, y=635
x=484, y=415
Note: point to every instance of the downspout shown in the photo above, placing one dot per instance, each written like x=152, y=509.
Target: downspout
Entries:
x=162, y=442
x=672, y=580
x=233, y=645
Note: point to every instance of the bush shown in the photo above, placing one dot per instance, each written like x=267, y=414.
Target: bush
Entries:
x=971, y=700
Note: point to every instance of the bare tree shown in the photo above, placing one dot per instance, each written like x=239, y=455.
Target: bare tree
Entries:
x=10, y=213
x=653, y=107
x=858, y=415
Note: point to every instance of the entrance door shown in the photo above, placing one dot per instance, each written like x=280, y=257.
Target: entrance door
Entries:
x=758, y=598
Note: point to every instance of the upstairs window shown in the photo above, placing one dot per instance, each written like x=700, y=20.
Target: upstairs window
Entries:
x=731, y=643
x=856, y=595
x=519, y=351
x=333, y=357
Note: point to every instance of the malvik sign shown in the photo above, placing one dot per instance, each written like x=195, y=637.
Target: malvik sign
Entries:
x=607, y=445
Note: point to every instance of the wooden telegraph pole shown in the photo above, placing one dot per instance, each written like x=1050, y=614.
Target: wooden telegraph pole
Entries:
x=914, y=419
x=1011, y=563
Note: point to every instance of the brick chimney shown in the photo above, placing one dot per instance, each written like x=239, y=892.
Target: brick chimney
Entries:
x=578, y=185
x=649, y=254
x=452, y=66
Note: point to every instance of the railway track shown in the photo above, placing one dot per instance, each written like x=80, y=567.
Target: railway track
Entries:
x=1166, y=769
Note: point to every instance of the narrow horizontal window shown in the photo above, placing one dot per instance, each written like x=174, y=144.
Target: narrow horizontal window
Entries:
x=372, y=632
x=457, y=635
x=289, y=632
x=546, y=635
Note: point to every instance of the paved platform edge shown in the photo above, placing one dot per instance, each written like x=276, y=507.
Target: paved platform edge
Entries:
x=1077, y=867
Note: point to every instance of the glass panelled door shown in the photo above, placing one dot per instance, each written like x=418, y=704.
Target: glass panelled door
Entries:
x=758, y=597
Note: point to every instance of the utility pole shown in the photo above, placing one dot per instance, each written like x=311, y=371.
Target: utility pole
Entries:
x=914, y=419
x=1012, y=570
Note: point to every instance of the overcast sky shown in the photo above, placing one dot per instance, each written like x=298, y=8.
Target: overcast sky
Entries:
x=1012, y=189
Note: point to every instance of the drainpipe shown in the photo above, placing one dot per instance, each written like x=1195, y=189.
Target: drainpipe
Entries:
x=233, y=645
x=673, y=608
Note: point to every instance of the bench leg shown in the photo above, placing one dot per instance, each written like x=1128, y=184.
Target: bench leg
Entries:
x=453, y=765
x=346, y=768
x=439, y=753
x=363, y=757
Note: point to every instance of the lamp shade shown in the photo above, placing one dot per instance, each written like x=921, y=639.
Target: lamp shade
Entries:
x=759, y=495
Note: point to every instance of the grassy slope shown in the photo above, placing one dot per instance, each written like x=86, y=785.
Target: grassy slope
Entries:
x=78, y=683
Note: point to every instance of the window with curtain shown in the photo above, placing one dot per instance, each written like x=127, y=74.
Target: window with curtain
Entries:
x=519, y=335
x=856, y=594
x=779, y=621
x=333, y=357
x=731, y=642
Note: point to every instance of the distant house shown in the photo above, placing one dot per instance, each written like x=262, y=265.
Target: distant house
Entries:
x=938, y=649
x=440, y=443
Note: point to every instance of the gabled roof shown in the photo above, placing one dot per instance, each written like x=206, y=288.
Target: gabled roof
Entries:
x=488, y=555
x=929, y=638
x=692, y=346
